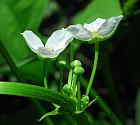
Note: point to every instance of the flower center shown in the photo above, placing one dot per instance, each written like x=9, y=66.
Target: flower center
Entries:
x=49, y=48
x=94, y=34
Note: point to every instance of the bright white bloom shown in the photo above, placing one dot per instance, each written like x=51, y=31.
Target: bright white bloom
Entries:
x=98, y=30
x=57, y=42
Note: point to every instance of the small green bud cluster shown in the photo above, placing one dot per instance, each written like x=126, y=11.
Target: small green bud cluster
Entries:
x=75, y=63
x=84, y=101
x=67, y=89
x=78, y=70
x=77, y=67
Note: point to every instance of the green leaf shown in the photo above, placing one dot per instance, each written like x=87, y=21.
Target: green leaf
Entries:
x=10, y=34
x=21, y=15
x=98, y=8
x=29, y=14
x=138, y=108
x=15, y=17
x=37, y=92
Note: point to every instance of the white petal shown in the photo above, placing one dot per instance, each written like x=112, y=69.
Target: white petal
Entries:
x=79, y=32
x=59, y=39
x=32, y=40
x=95, y=25
x=46, y=52
x=109, y=26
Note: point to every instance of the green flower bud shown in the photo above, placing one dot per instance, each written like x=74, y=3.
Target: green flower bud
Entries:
x=67, y=89
x=75, y=63
x=78, y=70
x=62, y=63
x=84, y=101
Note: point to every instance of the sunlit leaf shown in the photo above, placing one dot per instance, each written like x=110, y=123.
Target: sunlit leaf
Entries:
x=98, y=8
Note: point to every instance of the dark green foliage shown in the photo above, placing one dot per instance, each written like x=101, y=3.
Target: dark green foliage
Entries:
x=117, y=79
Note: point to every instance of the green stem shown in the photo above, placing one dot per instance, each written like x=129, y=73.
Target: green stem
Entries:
x=79, y=95
x=74, y=80
x=93, y=69
x=102, y=104
x=45, y=74
x=61, y=78
x=71, y=52
x=70, y=77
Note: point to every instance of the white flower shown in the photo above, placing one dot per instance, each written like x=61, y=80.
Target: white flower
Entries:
x=98, y=30
x=57, y=42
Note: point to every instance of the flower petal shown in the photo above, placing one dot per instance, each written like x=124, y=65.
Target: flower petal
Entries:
x=95, y=25
x=79, y=32
x=32, y=40
x=59, y=39
x=46, y=52
x=109, y=26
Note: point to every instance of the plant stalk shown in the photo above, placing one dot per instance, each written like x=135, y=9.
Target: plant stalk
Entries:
x=93, y=69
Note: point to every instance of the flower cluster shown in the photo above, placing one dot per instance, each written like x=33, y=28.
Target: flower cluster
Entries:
x=98, y=30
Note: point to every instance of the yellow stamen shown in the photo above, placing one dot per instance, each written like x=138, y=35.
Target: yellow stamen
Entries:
x=49, y=49
x=94, y=33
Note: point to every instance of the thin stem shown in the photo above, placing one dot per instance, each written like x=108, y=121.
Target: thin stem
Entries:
x=79, y=95
x=74, y=80
x=93, y=69
x=71, y=52
x=61, y=78
x=45, y=74
x=70, y=77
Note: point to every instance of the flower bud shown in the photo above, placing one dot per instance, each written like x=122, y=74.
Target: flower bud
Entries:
x=62, y=63
x=75, y=63
x=84, y=101
x=78, y=70
x=67, y=89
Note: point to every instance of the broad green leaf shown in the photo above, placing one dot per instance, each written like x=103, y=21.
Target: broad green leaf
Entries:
x=137, y=108
x=37, y=92
x=29, y=13
x=98, y=8
x=10, y=34
x=15, y=17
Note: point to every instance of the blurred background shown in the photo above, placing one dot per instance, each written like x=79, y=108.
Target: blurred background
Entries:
x=117, y=78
